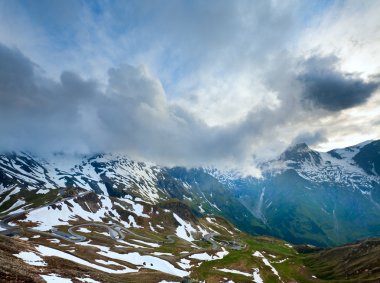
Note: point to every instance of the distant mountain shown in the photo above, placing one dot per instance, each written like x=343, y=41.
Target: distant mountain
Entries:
x=314, y=197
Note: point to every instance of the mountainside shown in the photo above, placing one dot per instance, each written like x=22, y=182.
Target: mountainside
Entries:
x=24, y=176
x=359, y=261
x=307, y=196
x=86, y=237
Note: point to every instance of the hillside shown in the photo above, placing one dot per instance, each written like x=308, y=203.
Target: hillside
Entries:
x=324, y=199
x=106, y=239
x=357, y=262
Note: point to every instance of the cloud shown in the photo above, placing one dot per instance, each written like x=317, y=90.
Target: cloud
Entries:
x=328, y=88
x=188, y=46
x=131, y=115
x=37, y=112
x=215, y=84
x=311, y=138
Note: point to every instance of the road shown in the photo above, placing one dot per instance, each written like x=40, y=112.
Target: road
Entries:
x=115, y=231
x=11, y=230
x=216, y=244
x=209, y=238
x=114, y=234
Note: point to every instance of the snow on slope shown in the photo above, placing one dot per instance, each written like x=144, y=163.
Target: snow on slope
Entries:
x=18, y=204
x=54, y=278
x=337, y=167
x=50, y=216
x=350, y=152
x=46, y=251
x=187, y=231
x=88, y=172
x=31, y=258
x=184, y=230
x=206, y=257
x=343, y=171
x=25, y=169
x=234, y=271
x=146, y=261
x=267, y=263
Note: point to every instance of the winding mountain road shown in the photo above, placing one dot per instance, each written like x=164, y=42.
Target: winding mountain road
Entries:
x=115, y=231
x=10, y=229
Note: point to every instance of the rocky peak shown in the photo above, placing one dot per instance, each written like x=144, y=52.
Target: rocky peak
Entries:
x=300, y=153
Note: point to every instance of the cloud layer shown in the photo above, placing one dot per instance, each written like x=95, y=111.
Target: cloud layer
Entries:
x=226, y=85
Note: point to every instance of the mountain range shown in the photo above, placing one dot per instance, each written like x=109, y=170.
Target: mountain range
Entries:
x=304, y=196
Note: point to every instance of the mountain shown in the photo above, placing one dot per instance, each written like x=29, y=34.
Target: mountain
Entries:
x=119, y=220
x=83, y=236
x=304, y=196
x=314, y=197
x=24, y=176
x=107, y=218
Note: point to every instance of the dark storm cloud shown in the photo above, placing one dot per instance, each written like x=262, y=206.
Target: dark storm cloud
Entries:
x=15, y=75
x=36, y=112
x=330, y=89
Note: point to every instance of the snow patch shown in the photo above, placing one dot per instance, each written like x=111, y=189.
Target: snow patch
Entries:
x=206, y=257
x=154, y=245
x=235, y=271
x=256, y=276
x=55, y=278
x=185, y=229
x=185, y=263
x=146, y=261
x=87, y=280
x=267, y=263
x=31, y=258
x=46, y=251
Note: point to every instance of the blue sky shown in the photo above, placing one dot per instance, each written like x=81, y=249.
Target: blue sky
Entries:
x=243, y=77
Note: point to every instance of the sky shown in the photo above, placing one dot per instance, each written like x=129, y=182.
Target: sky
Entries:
x=192, y=83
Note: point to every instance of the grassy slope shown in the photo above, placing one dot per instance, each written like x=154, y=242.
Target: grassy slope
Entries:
x=358, y=262
x=290, y=270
